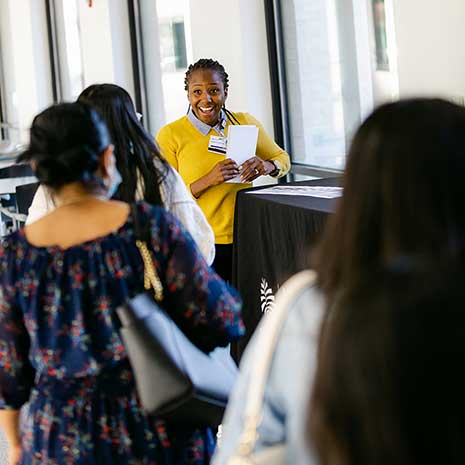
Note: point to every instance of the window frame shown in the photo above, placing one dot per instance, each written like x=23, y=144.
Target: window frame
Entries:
x=3, y=131
x=50, y=13
x=137, y=57
x=279, y=96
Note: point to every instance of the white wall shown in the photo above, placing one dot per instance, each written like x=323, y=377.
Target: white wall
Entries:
x=430, y=45
x=237, y=39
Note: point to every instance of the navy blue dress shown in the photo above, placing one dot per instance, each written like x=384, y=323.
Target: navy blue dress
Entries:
x=60, y=349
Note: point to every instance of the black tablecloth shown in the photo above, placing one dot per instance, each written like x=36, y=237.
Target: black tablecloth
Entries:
x=273, y=235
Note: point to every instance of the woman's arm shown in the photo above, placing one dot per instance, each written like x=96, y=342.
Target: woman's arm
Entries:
x=181, y=204
x=283, y=415
x=9, y=423
x=268, y=149
x=201, y=303
x=16, y=373
x=221, y=172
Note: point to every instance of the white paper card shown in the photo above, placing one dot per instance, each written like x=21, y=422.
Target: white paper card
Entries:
x=242, y=142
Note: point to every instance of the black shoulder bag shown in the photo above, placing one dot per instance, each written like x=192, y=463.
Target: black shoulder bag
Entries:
x=175, y=379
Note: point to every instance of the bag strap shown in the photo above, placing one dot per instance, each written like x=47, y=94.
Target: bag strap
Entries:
x=267, y=340
x=151, y=278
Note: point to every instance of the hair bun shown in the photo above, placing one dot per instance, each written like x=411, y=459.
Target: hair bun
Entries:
x=66, y=141
x=72, y=165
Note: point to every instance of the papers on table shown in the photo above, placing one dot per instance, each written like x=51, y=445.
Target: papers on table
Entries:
x=242, y=144
x=324, y=192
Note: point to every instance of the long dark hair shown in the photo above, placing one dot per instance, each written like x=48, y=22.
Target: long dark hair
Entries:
x=403, y=193
x=135, y=151
x=389, y=382
x=66, y=142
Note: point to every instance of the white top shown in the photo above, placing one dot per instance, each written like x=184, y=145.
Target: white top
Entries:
x=176, y=199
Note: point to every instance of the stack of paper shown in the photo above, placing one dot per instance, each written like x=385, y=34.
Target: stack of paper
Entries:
x=325, y=192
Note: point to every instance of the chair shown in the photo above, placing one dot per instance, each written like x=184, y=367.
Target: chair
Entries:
x=24, y=196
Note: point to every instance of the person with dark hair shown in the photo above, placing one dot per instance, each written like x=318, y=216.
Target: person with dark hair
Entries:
x=195, y=145
x=61, y=281
x=145, y=174
x=388, y=384
x=403, y=192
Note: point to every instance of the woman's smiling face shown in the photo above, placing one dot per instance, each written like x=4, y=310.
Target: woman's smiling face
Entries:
x=207, y=95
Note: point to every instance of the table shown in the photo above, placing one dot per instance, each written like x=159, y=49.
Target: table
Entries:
x=273, y=235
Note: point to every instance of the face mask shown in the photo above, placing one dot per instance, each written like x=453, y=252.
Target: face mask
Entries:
x=115, y=181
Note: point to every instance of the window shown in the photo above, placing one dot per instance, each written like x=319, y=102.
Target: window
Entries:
x=69, y=50
x=379, y=23
x=173, y=20
x=173, y=45
x=327, y=73
x=91, y=45
x=24, y=69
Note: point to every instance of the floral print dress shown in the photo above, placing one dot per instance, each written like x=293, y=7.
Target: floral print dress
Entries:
x=61, y=352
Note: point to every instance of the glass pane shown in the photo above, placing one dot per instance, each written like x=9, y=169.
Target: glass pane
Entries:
x=322, y=80
x=173, y=20
x=71, y=53
x=25, y=77
x=379, y=19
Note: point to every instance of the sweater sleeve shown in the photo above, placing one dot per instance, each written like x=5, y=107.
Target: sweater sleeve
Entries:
x=283, y=415
x=204, y=307
x=268, y=149
x=16, y=372
x=181, y=204
x=167, y=146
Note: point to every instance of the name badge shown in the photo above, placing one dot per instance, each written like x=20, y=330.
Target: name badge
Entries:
x=217, y=144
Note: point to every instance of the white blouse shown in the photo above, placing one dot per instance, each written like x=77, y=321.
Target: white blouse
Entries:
x=176, y=199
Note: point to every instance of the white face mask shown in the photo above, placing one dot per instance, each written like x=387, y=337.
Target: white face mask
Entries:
x=115, y=181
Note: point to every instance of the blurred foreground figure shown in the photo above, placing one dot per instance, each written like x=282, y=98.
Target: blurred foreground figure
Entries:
x=403, y=196
x=388, y=385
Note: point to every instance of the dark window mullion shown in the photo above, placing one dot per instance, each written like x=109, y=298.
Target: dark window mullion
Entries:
x=53, y=50
x=274, y=33
x=138, y=64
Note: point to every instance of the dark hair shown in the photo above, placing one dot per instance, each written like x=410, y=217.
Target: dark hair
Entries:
x=135, y=151
x=217, y=67
x=210, y=64
x=389, y=382
x=66, y=141
x=403, y=192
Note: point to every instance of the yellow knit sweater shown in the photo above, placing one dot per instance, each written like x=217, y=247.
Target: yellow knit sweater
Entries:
x=186, y=149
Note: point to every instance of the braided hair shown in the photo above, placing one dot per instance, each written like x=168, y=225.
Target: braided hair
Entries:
x=207, y=63
x=217, y=67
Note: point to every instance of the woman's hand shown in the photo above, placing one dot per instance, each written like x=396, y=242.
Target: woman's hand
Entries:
x=255, y=167
x=221, y=172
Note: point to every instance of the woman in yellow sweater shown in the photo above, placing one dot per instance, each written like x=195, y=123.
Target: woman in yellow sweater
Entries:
x=195, y=146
